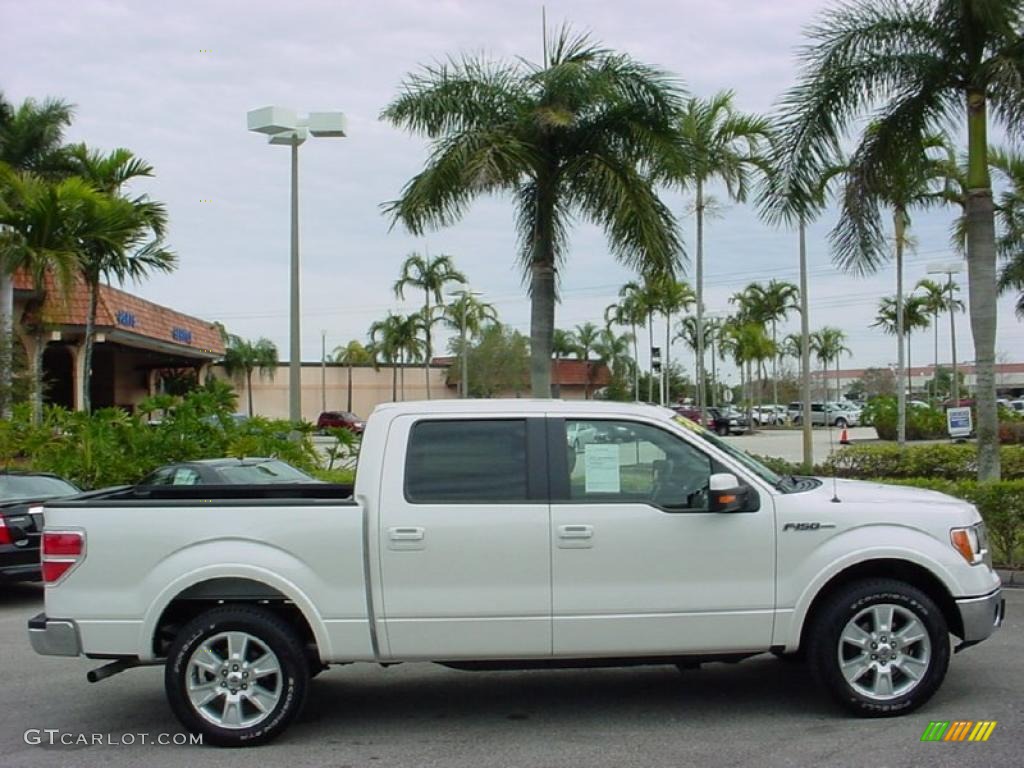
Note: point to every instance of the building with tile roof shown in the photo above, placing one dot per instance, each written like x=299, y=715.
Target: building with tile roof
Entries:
x=138, y=344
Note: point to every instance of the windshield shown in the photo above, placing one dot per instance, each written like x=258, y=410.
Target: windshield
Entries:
x=33, y=488
x=265, y=472
x=744, y=458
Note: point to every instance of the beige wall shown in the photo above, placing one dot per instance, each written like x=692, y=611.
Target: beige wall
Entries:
x=369, y=387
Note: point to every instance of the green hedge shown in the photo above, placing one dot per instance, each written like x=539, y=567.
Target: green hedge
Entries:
x=947, y=461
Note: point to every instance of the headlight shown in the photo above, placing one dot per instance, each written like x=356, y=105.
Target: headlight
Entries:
x=971, y=542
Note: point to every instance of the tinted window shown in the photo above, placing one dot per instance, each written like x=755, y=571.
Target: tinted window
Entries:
x=467, y=461
x=634, y=462
x=33, y=487
x=263, y=473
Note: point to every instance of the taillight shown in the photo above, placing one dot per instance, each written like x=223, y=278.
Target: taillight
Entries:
x=61, y=551
x=5, y=534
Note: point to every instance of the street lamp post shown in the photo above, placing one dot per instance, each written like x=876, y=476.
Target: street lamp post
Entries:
x=284, y=127
x=949, y=269
x=323, y=371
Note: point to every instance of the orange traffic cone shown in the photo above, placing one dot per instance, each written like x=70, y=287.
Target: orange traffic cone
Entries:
x=844, y=439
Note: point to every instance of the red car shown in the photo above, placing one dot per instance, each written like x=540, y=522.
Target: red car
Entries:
x=342, y=419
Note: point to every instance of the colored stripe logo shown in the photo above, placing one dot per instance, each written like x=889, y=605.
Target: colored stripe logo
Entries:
x=958, y=730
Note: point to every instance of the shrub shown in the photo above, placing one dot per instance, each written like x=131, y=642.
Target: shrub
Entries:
x=953, y=462
x=922, y=423
x=111, y=447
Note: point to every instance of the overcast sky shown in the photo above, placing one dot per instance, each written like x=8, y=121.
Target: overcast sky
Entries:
x=172, y=81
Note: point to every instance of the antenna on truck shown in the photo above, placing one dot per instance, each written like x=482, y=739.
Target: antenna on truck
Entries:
x=831, y=452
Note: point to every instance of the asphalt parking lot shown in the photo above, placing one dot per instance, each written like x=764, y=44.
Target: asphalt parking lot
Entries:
x=761, y=712
x=788, y=443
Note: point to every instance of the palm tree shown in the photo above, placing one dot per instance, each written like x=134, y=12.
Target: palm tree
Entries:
x=586, y=336
x=467, y=315
x=719, y=143
x=916, y=68
x=353, y=353
x=569, y=137
x=397, y=340
x=673, y=296
x=563, y=343
x=612, y=349
x=645, y=299
x=242, y=358
x=1010, y=212
x=133, y=243
x=915, y=316
x=749, y=344
x=42, y=224
x=914, y=180
x=430, y=275
x=31, y=139
x=771, y=304
x=829, y=345
x=628, y=312
x=936, y=299
x=686, y=331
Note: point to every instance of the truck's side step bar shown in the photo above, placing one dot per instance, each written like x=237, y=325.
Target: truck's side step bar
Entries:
x=116, y=667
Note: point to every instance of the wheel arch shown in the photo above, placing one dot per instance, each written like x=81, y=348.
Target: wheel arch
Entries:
x=187, y=598
x=889, y=568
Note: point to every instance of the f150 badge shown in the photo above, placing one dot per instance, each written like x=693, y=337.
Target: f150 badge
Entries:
x=806, y=526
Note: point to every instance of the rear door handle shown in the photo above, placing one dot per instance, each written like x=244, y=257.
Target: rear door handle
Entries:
x=576, y=531
x=406, y=534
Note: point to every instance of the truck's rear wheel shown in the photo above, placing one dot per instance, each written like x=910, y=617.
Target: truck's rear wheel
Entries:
x=237, y=675
x=881, y=647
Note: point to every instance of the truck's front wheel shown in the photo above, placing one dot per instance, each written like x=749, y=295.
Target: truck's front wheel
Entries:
x=237, y=675
x=881, y=647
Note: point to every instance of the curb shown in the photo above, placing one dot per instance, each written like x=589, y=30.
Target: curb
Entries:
x=1012, y=579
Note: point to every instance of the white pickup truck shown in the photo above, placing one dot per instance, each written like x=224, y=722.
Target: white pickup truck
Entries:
x=514, y=534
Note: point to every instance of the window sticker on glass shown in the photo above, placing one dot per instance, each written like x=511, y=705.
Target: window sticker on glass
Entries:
x=601, y=468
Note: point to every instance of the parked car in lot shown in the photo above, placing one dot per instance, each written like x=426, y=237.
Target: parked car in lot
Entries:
x=244, y=471
x=1017, y=406
x=476, y=540
x=768, y=414
x=340, y=420
x=21, y=520
x=719, y=420
x=830, y=414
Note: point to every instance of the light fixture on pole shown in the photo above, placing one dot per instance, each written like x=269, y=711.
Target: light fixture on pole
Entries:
x=284, y=127
x=949, y=269
x=465, y=296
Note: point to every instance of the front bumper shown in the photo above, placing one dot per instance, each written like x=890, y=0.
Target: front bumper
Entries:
x=54, y=637
x=981, y=616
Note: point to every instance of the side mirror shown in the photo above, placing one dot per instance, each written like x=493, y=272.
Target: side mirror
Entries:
x=727, y=495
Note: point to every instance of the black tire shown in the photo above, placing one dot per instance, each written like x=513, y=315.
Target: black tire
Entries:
x=850, y=602
x=723, y=430
x=268, y=630
x=841, y=423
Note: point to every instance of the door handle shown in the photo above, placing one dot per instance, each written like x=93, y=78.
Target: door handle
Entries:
x=575, y=531
x=406, y=534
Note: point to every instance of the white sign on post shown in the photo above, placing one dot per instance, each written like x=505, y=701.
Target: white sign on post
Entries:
x=601, y=468
x=958, y=422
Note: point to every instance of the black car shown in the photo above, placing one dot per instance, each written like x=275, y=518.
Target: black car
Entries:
x=21, y=520
x=247, y=471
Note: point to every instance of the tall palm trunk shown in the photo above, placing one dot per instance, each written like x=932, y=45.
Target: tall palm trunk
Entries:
x=935, y=370
x=350, y=388
x=426, y=322
x=910, y=369
x=775, y=370
x=666, y=395
x=900, y=226
x=394, y=380
x=636, y=365
x=981, y=283
x=248, y=388
x=6, y=341
x=90, y=334
x=542, y=291
x=650, y=338
x=805, y=355
x=701, y=395
x=36, y=370
x=401, y=375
